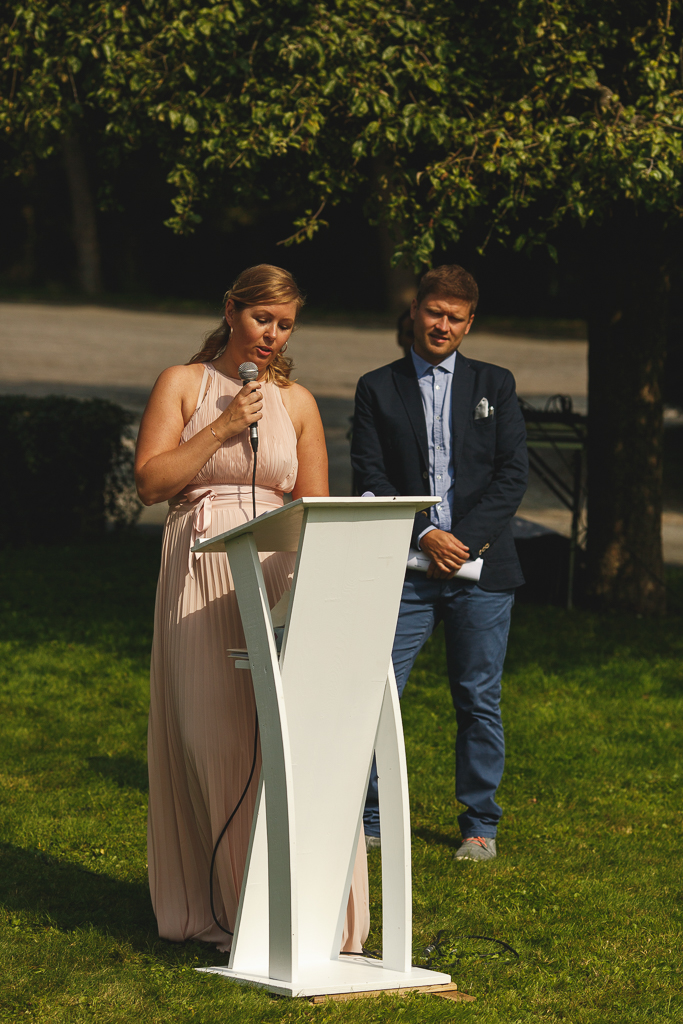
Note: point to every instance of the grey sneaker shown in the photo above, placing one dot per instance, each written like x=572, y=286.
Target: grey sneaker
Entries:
x=372, y=843
x=477, y=848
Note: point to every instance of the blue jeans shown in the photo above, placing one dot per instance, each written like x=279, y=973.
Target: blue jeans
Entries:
x=476, y=624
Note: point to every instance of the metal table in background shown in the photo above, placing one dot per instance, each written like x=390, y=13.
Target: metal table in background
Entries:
x=559, y=429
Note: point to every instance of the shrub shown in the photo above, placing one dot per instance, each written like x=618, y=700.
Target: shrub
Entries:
x=66, y=467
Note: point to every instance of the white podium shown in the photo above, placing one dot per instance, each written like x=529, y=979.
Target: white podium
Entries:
x=324, y=706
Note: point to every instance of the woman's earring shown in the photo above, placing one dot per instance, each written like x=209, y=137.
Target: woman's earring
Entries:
x=284, y=348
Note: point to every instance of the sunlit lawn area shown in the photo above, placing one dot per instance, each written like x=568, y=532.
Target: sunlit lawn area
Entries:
x=588, y=887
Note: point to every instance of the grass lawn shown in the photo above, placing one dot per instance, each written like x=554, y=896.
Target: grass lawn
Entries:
x=588, y=887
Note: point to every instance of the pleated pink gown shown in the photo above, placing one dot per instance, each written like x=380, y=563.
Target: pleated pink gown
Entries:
x=202, y=710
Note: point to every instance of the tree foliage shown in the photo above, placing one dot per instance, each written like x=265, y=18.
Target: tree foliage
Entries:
x=529, y=112
x=524, y=114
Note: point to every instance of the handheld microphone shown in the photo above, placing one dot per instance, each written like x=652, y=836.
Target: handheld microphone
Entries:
x=247, y=372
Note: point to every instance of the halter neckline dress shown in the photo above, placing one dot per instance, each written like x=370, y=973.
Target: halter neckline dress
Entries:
x=202, y=712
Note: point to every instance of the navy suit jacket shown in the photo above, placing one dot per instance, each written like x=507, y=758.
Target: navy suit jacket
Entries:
x=389, y=454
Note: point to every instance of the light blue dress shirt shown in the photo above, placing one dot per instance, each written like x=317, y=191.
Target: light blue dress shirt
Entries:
x=436, y=384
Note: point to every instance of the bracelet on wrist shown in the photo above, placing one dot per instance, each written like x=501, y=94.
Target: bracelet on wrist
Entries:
x=215, y=434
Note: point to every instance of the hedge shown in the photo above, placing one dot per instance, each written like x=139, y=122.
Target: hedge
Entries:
x=66, y=467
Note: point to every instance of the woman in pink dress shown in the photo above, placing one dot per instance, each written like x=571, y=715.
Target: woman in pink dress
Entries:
x=194, y=452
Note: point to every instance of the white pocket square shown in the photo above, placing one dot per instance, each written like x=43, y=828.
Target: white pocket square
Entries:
x=483, y=410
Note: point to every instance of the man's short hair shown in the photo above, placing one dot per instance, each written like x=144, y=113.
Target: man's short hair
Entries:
x=449, y=280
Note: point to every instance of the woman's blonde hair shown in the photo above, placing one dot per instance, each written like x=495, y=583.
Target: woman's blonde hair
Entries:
x=261, y=284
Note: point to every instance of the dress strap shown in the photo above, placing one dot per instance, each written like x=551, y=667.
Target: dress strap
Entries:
x=207, y=375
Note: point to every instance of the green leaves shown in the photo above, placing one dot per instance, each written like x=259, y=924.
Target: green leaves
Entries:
x=539, y=111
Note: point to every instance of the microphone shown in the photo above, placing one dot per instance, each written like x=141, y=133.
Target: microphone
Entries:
x=247, y=372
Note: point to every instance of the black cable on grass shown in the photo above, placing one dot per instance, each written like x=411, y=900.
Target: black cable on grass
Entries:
x=487, y=938
x=436, y=947
x=372, y=954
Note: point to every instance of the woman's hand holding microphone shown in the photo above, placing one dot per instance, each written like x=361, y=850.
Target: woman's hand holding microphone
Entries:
x=246, y=408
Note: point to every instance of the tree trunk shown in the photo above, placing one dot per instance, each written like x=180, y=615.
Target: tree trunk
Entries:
x=84, y=219
x=627, y=293
x=400, y=282
x=24, y=270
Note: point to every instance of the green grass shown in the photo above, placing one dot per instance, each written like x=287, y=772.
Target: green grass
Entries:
x=588, y=887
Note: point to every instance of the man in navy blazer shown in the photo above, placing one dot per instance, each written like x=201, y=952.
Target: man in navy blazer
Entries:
x=437, y=423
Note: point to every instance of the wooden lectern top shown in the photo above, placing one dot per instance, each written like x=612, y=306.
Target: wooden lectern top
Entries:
x=280, y=529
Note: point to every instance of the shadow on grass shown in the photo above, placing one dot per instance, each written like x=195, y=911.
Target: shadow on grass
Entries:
x=436, y=838
x=560, y=640
x=671, y=683
x=102, y=593
x=126, y=772
x=92, y=592
x=68, y=897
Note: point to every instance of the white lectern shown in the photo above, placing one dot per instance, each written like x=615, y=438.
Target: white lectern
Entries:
x=324, y=706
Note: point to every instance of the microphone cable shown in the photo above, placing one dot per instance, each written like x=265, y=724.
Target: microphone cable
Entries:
x=254, y=447
x=253, y=437
x=225, y=827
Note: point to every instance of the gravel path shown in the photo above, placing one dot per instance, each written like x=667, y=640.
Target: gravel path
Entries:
x=87, y=351
x=90, y=346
